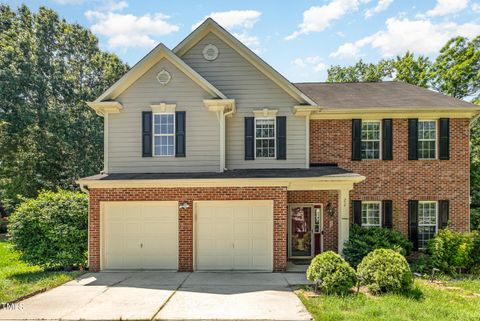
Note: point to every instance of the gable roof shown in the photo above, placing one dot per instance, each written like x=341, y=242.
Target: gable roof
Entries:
x=375, y=95
x=209, y=25
x=147, y=62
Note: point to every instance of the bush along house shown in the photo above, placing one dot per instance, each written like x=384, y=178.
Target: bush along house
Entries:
x=215, y=161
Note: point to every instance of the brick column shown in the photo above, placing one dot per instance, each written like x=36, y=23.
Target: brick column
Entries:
x=185, y=238
x=280, y=219
x=93, y=233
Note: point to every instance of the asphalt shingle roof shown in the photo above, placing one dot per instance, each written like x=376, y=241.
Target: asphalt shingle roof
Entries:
x=387, y=94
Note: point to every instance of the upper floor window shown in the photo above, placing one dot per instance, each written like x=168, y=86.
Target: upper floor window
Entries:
x=371, y=214
x=265, y=137
x=427, y=139
x=371, y=139
x=164, y=134
x=427, y=222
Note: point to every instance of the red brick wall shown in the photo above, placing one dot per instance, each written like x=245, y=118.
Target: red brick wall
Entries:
x=400, y=179
x=330, y=223
x=185, y=247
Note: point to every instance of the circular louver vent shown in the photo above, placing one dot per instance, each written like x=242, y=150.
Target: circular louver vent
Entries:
x=163, y=77
x=210, y=52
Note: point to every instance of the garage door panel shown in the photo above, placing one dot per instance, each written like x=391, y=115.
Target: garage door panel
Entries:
x=140, y=235
x=225, y=235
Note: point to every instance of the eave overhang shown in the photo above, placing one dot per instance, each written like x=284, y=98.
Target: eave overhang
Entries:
x=105, y=107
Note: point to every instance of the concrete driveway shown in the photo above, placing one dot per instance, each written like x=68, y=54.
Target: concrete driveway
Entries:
x=167, y=296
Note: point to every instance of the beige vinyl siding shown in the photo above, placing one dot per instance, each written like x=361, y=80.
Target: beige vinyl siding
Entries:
x=125, y=128
x=252, y=90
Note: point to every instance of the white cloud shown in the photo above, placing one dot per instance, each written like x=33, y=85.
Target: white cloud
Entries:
x=318, y=18
x=476, y=7
x=233, y=19
x=247, y=39
x=69, y=2
x=128, y=30
x=314, y=62
x=444, y=7
x=382, y=5
x=420, y=36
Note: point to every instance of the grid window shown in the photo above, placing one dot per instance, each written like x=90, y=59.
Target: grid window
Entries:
x=371, y=214
x=427, y=222
x=427, y=139
x=370, y=140
x=265, y=137
x=164, y=134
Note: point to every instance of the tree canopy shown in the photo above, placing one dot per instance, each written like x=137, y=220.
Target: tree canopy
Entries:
x=48, y=70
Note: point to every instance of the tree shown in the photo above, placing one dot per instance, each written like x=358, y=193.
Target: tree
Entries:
x=411, y=70
x=361, y=71
x=456, y=71
x=49, y=69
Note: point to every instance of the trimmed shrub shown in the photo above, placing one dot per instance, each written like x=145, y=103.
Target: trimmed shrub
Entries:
x=364, y=240
x=451, y=250
x=51, y=230
x=332, y=273
x=385, y=270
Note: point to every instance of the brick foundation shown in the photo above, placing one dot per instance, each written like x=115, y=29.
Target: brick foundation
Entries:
x=401, y=179
x=185, y=216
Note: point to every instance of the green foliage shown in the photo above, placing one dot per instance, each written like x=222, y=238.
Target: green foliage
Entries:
x=411, y=70
x=333, y=272
x=364, y=240
x=475, y=219
x=452, y=250
x=49, y=69
x=51, y=230
x=385, y=270
x=361, y=71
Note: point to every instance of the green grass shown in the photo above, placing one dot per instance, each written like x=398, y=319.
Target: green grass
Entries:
x=18, y=279
x=452, y=300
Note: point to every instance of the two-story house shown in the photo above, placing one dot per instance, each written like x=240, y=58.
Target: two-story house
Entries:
x=215, y=161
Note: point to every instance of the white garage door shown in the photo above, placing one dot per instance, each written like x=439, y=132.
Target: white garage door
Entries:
x=234, y=235
x=139, y=235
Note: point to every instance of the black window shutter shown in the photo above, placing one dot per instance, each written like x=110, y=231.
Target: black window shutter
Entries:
x=387, y=217
x=249, y=137
x=357, y=212
x=443, y=214
x=387, y=139
x=180, y=121
x=147, y=134
x=281, y=137
x=444, y=144
x=412, y=139
x=356, y=139
x=413, y=223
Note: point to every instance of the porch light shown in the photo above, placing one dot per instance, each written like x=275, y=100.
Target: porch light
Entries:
x=183, y=206
x=329, y=209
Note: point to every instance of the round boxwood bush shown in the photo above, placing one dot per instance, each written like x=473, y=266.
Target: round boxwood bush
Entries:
x=364, y=240
x=51, y=230
x=332, y=273
x=385, y=270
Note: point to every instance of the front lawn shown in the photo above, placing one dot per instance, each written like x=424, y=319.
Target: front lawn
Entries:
x=452, y=300
x=18, y=279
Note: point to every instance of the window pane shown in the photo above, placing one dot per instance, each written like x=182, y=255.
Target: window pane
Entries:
x=164, y=134
x=370, y=140
x=427, y=135
x=371, y=214
x=265, y=137
x=427, y=222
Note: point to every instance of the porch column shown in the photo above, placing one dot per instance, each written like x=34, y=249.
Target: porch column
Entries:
x=343, y=218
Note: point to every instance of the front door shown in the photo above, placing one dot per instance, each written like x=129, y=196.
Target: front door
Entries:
x=300, y=231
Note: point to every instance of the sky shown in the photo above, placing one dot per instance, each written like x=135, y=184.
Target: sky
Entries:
x=300, y=39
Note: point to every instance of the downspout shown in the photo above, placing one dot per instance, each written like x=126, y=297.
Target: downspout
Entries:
x=307, y=141
x=105, y=143
x=221, y=121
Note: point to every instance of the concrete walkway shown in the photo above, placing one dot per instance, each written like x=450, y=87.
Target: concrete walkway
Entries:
x=167, y=296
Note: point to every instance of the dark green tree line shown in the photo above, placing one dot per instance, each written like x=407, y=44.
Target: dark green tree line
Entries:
x=48, y=70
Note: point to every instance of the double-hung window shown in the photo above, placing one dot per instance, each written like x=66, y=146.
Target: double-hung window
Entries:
x=265, y=137
x=371, y=139
x=164, y=134
x=371, y=214
x=427, y=222
x=427, y=139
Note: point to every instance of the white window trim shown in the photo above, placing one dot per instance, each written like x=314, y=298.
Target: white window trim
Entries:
x=160, y=135
x=274, y=137
x=436, y=139
x=380, y=139
x=380, y=213
x=436, y=218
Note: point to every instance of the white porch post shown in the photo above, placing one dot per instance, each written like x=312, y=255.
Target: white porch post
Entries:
x=343, y=218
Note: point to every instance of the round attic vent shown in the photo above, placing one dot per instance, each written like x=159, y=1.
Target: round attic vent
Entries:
x=210, y=52
x=163, y=77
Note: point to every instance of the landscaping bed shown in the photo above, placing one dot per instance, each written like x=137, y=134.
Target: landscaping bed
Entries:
x=437, y=300
x=18, y=279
